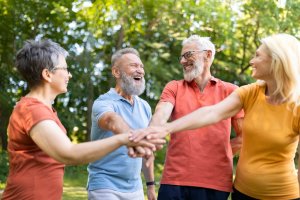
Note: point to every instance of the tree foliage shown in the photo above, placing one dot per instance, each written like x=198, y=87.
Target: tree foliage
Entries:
x=92, y=31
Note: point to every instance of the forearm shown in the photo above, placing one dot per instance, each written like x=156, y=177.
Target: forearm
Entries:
x=162, y=113
x=201, y=117
x=90, y=151
x=114, y=123
x=148, y=171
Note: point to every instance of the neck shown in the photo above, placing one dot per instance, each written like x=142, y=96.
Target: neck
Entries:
x=202, y=80
x=41, y=96
x=269, y=92
x=270, y=88
x=123, y=94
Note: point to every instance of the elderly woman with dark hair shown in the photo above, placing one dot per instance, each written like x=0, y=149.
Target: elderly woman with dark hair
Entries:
x=38, y=146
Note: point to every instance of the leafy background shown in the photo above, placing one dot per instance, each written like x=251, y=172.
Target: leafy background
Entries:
x=92, y=30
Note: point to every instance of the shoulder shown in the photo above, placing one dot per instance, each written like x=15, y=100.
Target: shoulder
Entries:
x=28, y=106
x=107, y=98
x=225, y=84
x=175, y=84
x=252, y=87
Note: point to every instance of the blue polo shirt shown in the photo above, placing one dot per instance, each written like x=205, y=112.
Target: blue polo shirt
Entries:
x=117, y=171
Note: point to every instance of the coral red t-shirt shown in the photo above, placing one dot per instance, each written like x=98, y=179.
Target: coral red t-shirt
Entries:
x=32, y=173
x=201, y=157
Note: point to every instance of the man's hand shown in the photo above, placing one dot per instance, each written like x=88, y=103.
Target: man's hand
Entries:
x=152, y=133
x=151, y=192
x=236, y=145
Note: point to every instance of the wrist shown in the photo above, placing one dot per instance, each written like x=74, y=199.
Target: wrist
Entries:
x=150, y=183
x=124, y=138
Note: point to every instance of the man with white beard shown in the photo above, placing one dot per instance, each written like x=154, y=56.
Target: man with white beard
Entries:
x=117, y=176
x=198, y=162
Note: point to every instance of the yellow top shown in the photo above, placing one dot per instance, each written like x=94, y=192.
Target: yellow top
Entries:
x=266, y=168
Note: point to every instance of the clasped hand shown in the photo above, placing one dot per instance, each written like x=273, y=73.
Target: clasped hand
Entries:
x=143, y=142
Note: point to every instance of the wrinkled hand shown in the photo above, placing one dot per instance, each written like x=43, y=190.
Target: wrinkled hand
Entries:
x=144, y=147
x=139, y=152
x=151, y=192
x=236, y=145
x=150, y=142
x=152, y=133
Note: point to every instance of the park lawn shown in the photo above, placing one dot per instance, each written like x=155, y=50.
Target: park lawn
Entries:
x=75, y=179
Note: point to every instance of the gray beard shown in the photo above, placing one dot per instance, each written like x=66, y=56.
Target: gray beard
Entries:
x=191, y=75
x=129, y=86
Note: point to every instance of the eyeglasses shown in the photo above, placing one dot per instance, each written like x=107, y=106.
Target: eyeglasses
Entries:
x=189, y=54
x=60, y=68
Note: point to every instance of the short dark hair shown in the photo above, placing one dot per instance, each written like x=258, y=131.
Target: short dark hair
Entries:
x=35, y=56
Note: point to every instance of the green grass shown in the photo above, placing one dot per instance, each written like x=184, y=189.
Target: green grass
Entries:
x=75, y=183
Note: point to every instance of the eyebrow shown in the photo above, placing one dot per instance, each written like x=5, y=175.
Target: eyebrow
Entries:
x=135, y=63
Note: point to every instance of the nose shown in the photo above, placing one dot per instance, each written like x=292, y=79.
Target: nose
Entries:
x=140, y=70
x=182, y=60
x=69, y=74
x=251, y=62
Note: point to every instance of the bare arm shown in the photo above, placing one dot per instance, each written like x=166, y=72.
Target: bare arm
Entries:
x=162, y=113
x=236, y=142
x=50, y=138
x=207, y=115
x=148, y=171
x=113, y=122
x=204, y=116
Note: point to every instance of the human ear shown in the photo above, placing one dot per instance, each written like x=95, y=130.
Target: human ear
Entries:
x=46, y=74
x=115, y=72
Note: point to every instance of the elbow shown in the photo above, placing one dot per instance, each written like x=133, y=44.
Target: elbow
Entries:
x=68, y=158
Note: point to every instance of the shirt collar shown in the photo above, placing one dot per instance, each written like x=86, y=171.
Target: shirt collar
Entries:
x=115, y=96
x=212, y=81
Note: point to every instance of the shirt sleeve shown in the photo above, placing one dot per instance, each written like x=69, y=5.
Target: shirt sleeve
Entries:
x=169, y=92
x=232, y=88
x=248, y=93
x=33, y=114
x=100, y=107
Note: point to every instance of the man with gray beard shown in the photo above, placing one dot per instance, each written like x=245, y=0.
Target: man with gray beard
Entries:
x=117, y=176
x=198, y=162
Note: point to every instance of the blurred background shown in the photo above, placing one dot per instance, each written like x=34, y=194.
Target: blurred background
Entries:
x=92, y=30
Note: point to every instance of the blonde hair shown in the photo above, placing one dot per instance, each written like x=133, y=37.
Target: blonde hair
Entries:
x=285, y=52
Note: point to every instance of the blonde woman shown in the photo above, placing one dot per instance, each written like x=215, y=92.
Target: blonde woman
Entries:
x=265, y=169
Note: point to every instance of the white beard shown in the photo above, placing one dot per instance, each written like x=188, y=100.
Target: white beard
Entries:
x=194, y=73
x=130, y=87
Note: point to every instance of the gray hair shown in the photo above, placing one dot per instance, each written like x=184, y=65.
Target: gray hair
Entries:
x=35, y=56
x=118, y=54
x=204, y=43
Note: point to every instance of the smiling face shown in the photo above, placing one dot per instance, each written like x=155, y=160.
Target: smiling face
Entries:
x=261, y=64
x=130, y=74
x=61, y=75
x=192, y=61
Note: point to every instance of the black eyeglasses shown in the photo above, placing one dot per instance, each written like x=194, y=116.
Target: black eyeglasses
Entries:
x=189, y=54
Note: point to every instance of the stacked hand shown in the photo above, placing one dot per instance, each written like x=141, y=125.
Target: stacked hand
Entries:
x=143, y=142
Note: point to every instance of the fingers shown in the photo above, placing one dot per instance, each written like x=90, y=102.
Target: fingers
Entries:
x=138, y=135
x=152, y=132
x=159, y=147
x=131, y=152
x=158, y=141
